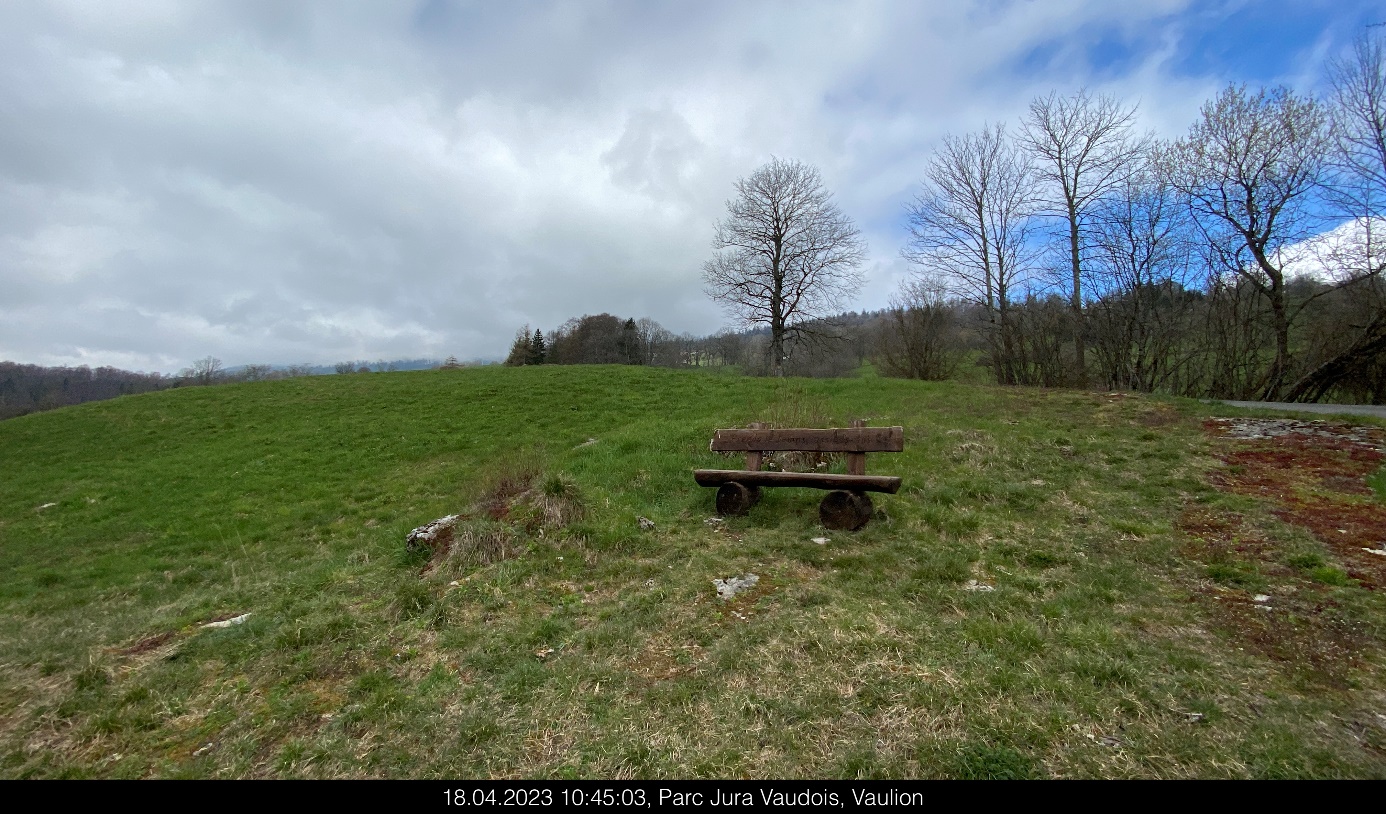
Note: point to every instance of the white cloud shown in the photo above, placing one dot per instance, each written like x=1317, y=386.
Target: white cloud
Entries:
x=264, y=181
x=1343, y=252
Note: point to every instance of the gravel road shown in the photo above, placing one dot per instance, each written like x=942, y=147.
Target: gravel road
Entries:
x=1377, y=410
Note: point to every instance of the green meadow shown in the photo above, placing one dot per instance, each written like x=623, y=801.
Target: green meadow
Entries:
x=1026, y=607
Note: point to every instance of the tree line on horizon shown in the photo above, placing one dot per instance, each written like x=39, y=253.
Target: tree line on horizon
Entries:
x=26, y=388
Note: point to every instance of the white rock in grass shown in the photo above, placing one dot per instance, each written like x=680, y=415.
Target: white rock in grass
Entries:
x=974, y=585
x=235, y=620
x=821, y=540
x=1260, y=598
x=728, y=588
x=424, y=537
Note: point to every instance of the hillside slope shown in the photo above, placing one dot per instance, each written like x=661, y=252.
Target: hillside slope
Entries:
x=1026, y=606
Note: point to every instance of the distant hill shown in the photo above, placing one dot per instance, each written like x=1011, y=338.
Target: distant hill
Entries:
x=28, y=389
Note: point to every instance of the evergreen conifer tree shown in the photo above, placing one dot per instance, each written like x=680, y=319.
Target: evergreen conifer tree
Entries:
x=537, y=351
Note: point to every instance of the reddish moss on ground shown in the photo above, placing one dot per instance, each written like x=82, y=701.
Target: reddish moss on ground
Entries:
x=1316, y=475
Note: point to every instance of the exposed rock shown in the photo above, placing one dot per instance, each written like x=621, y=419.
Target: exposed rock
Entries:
x=713, y=521
x=728, y=588
x=646, y=524
x=974, y=585
x=1257, y=429
x=431, y=536
x=234, y=620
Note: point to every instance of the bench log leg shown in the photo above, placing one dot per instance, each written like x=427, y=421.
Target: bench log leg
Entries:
x=844, y=511
x=735, y=498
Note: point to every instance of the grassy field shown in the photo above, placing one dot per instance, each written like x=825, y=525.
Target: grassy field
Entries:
x=1055, y=592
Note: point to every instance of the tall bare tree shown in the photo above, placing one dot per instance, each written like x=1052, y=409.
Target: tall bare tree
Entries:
x=785, y=254
x=1085, y=147
x=1251, y=168
x=206, y=370
x=971, y=224
x=1358, y=111
x=1142, y=261
x=1354, y=341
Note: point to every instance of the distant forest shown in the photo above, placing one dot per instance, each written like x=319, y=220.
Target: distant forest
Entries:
x=32, y=388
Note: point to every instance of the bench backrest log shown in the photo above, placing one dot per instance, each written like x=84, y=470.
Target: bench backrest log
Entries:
x=840, y=439
x=856, y=441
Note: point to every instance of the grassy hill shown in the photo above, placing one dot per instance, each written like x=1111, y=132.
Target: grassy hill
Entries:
x=1029, y=605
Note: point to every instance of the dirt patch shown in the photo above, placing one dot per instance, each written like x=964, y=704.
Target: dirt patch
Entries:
x=1161, y=415
x=1214, y=538
x=1353, y=535
x=1315, y=475
x=1304, y=629
x=662, y=660
x=1311, y=474
x=148, y=643
x=503, y=494
x=1295, y=622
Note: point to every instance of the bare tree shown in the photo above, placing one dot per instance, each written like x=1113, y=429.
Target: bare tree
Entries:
x=971, y=224
x=1251, y=168
x=1141, y=264
x=654, y=342
x=1354, y=343
x=1085, y=148
x=1358, y=112
x=204, y=371
x=256, y=373
x=917, y=338
x=786, y=255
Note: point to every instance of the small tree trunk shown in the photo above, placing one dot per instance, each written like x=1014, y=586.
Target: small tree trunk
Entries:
x=1080, y=361
x=1275, y=380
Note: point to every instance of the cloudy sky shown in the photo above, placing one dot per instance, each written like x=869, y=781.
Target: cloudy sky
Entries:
x=283, y=182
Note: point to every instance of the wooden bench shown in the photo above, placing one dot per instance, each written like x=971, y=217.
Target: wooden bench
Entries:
x=846, y=506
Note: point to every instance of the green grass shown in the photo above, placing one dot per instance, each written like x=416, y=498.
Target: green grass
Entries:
x=567, y=642
x=1378, y=483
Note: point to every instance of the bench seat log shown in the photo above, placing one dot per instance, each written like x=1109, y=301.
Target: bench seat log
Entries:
x=813, y=480
x=840, y=439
